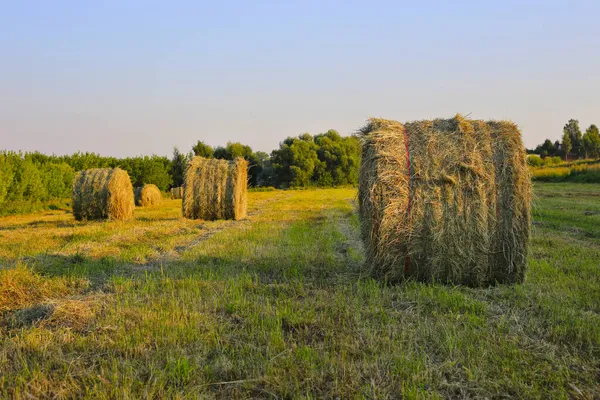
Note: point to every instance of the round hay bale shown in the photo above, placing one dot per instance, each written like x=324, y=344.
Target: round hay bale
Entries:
x=176, y=192
x=445, y=201
x=147, y=195
x=102, y=193
x=215, y=189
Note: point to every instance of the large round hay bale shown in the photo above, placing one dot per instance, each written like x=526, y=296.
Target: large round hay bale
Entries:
x=176, y=192
x=102, y=193
x=446, y=201
x=147, y=195
x=215, y=189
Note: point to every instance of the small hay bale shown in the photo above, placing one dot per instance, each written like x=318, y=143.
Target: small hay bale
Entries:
x=102, y=193
x=215, y=189
x=445, y=201
x=176, y=192
x=147, y=195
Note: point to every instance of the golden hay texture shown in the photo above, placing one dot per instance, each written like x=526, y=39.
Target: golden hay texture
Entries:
x=446, y=201
x=147, y=195
x=176, y=192
x=215, y=189
x=102, y=193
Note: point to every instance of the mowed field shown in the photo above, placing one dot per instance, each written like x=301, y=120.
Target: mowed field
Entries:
x=279, y=306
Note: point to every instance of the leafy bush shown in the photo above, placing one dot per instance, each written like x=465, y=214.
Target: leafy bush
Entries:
x=549, y=161
x=581, y=172
x=534, y=160
x=327, y=159
x=29, y=181
x=58, y=179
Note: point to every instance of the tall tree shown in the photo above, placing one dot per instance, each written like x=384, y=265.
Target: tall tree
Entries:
x=572, y=129
x=591, y=142
x=546, y=149
x=203, y=150
x=177, y=167
x=566, y=145
x=295, y=161
x=235, y=150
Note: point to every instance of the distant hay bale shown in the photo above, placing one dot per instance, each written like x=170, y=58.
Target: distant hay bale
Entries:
x=215, y=189
x=147, y=195
x=176, y=192
x=102, y=193
x=445, y=201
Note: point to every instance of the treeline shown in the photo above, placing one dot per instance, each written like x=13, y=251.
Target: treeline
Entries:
x=327, y=159
x=574, y=145
x=29, y=179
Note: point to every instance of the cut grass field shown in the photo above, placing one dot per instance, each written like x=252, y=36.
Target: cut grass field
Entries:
x=276, y=306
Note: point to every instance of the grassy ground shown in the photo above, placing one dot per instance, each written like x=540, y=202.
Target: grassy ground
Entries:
x=276, y=307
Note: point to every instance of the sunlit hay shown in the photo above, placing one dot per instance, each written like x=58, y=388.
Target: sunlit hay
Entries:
x=76, y=314
x=102, y=193
x=20, y=287
x=442, y=220
x=147, y=195
x=514, y=194
x=176, y=192
x=215, y=189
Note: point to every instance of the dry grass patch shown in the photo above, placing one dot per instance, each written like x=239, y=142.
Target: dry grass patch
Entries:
x=20, y=287
x=27, y=298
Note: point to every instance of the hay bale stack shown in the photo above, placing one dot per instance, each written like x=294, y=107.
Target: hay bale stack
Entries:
x=102, y=193
x=147, y=195
x=445, y=201
x=176, y=192
x=215, y=189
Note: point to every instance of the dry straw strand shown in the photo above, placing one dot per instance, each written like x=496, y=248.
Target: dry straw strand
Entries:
x=468, y=188
x=215, y=189
x=102, y=193
x=147, y=195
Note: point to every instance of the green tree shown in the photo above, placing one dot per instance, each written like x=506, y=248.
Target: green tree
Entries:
x=546, y=149
x=146, y=169
x=534, y=160
x=295, y=161
x=177, y=167
x=591, y=142
x=566, y=145
x=58, y=179
x=328, y=159
x=235, y=150
x=28, y=185
x=203, y=150
x=266, y=177
x=7, y=173
x=572, y=129
x=339, y=159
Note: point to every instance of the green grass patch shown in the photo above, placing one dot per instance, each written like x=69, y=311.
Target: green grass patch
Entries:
x=278, y=306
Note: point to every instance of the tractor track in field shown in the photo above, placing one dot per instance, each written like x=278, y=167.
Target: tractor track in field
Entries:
x=176, y=253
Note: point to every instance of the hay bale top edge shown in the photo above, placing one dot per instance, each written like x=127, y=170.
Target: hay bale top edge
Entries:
x=459, y=123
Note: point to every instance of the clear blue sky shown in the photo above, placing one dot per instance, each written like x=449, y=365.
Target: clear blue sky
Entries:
x=139, y=77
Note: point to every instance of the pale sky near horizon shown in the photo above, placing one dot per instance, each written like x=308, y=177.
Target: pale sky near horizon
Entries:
x=124, y=78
